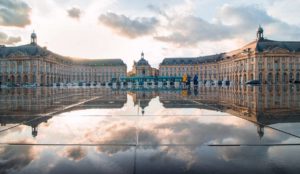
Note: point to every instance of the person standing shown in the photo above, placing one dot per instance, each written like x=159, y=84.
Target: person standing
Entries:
x=184, y=80
x=195, y=80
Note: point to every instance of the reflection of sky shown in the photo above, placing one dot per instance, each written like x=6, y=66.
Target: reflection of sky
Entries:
x=163, y=140
x=161, y=126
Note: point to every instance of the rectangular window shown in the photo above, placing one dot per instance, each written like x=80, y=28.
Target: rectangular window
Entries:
x=19, y=68
x=260, y=66
x=276, y=66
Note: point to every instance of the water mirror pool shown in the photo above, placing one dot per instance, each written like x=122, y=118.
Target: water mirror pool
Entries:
x=237, y=129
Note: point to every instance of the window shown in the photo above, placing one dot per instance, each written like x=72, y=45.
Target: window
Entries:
x=276, y=66
x=269, y=66
x=259, y=66
x=19, y=67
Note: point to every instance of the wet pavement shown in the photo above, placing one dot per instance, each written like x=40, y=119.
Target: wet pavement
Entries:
x=238, y=129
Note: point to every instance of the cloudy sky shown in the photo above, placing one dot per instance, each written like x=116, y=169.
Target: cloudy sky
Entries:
x=123, y=28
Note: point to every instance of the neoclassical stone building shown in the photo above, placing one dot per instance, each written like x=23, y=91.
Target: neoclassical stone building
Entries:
x=142, y=68
x=34, y=64
x=266, y=60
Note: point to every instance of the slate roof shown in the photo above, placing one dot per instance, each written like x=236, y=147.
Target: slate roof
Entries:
x=191, y=60
x=142, y=62
x=265, y=44
x=34, y=50
x=26, y=50
x=101, y=62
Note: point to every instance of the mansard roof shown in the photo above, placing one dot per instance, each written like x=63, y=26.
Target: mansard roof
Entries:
x=23, y=50
x=34, y=50
x=268, y=45
x=191, y=60
x=179, y=61
x=210, y=58
x=101, y=62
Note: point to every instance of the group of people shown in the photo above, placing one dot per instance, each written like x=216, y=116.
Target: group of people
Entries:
x=186, y=80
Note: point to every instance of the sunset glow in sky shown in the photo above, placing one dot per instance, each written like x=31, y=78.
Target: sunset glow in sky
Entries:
x=123, y=28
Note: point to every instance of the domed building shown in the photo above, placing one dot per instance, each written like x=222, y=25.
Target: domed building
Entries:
x=142, y=68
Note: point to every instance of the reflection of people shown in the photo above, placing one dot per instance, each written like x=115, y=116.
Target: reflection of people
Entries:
x=195, y=91
x=184, y=93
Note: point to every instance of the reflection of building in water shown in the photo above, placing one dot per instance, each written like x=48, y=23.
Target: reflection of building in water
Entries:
x=141, y=98
x=34, y=106
x=265, y=104
x=32, y=121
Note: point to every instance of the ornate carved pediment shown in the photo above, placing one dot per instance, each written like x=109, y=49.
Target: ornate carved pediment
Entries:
x=277, y=50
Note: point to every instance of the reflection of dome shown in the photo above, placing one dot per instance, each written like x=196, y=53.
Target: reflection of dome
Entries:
x=34, y=132
x=260, y=131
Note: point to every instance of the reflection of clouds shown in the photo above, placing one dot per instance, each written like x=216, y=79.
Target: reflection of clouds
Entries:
x=14, y=158
x=190, y=131
x=118, y=132
x=74, y=153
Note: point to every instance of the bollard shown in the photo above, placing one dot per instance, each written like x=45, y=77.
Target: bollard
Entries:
x=114, y=85
x=160, y=84
x=168, y=84
x=129, y=85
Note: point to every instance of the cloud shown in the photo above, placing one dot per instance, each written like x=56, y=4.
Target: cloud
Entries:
x=230, y=22
x=8, y=40
x=74, y=13
x=189, y=30
x=128, y=27
x=14, y=13
x=74, y=153
x=15, y=158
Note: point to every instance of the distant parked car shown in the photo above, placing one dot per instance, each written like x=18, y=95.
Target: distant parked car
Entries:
x=297, y=81
x=253, y=82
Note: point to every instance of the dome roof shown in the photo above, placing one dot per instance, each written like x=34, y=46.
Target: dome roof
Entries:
x=142, y=61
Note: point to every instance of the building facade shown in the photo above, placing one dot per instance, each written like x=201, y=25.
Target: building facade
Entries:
x=34, y=64
x=266, y=60
x=142, y=68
